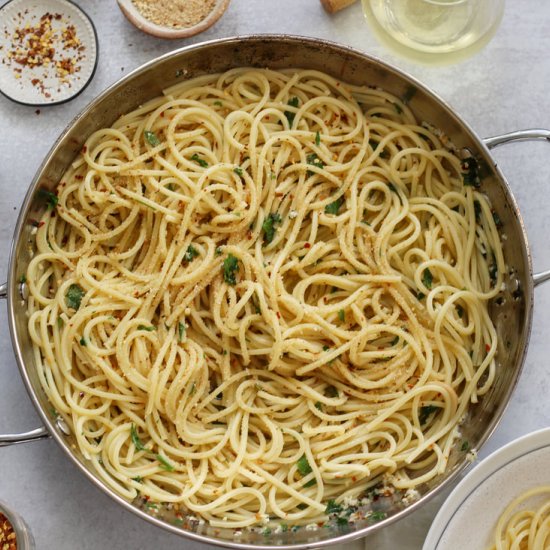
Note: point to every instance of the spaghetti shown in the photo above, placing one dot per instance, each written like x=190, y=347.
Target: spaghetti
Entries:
x=264, y=292
x=524, y=527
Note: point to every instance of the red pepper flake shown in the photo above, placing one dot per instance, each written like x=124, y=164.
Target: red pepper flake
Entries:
x=8, y=538
x=278, y=315
x=487, y=348
x=307, y=245
x=41, y=45
x=84, y=149
x=79, y=178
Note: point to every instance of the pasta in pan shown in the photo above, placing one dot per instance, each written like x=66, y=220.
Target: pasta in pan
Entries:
x=264, y=293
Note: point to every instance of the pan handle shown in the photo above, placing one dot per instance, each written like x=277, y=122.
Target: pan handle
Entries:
x=13, y=439
x=25, y=437
x=523, y=135
x=520, y=135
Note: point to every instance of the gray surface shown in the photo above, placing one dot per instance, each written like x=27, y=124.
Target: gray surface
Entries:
x=501, y=89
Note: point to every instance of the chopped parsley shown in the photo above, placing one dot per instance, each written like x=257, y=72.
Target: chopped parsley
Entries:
x=290, y=116
x=230, y=267
x=50, y=198
x=314, y=160
x=341, y=315
x=470, y=172
x=136, y=440
x=199, y=161
x=425, y=413
x=319, y=406
x=395, y=341
x=150, y=328
x=496, y=219
x=74, y=295
x=334, y=207
x=317, y=138
x=465, y=446
x=190, y=254
x=60, y=323
x=398, y=108
x=137, y=479
x=303, y=466
x=151, y=138
x=218, y=251
x=333, y=507
x=427, y=278
x=22, y=279
x=181, y=331
x=460, y=311
x=238, y=171
x=378, y=516
x=83, y=342
x=342, y=521
x=218, y=103
x=331, y=391
x=193, y=389
x=268, y=227
x=164, y=464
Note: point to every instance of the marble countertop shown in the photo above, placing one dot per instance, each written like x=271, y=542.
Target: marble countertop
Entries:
x=501, y=89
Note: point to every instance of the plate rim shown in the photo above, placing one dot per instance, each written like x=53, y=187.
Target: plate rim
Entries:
x=479, y=475
x=86, y=83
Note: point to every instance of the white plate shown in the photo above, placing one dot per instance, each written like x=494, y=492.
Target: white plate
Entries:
x=43, y=85
x=468, y=517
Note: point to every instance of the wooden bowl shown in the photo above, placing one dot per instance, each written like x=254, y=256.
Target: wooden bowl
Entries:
x=143, y=24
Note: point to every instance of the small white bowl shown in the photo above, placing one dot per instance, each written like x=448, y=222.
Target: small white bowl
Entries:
x=40, y=85
x=143, y=24
x=468, y=517
x=23, y=536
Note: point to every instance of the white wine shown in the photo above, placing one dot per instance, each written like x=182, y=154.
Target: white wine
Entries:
x=434, y=31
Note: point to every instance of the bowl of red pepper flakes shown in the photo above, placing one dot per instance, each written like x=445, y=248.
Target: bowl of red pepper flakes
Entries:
x=14, y=533
x=48, y=51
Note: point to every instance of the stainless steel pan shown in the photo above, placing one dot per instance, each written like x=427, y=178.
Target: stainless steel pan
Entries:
x=512, y=314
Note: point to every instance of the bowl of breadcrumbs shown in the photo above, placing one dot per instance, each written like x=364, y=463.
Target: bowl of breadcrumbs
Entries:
x=173, y=18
